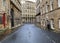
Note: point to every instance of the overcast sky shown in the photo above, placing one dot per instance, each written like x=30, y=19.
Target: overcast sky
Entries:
x=33, y=0
x=29, y=0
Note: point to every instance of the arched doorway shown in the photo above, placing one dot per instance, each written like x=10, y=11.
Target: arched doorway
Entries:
x=12, y=17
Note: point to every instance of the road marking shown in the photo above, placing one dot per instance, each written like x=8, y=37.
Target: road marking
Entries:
x=50, y=39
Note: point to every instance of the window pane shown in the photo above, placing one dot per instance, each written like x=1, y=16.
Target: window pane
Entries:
x=58, y=3
x=59, y=23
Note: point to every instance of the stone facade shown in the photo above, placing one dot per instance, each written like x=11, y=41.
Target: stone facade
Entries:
x=50, y=14
x=28, y=12
x=16, y=11
x=7, y=9
x=38, y=12
x=4, y=12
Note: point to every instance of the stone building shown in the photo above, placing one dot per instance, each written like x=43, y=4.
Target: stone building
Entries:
x=4, y=12
x=15, y=12
x=10, y=13
x=38, y=12
x=28, y=12
x=50, y=14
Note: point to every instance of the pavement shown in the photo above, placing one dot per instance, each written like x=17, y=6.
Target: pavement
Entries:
x=29, y=33
x=6, y=32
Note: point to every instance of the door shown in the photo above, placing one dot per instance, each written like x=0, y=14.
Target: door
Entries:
x=12, y=18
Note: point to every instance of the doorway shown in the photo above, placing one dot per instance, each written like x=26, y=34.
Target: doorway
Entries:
x=12, y=18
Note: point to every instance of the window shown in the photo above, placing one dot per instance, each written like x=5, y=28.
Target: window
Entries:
x=52, y=23
x=47, y=16
x=40, y=0
x=44, y=22
x=43, y=10
x=58, y=3
x=46, y=8
x=41, y=22
x=59, y=23
x=4, y=3
x=37, y=18
x=51, y=4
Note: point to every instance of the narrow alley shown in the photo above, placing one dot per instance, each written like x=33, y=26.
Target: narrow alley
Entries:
x=29, y=33
x=29, y=21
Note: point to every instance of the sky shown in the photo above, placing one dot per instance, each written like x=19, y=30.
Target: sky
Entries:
x=23, y=1
x=33, y=0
